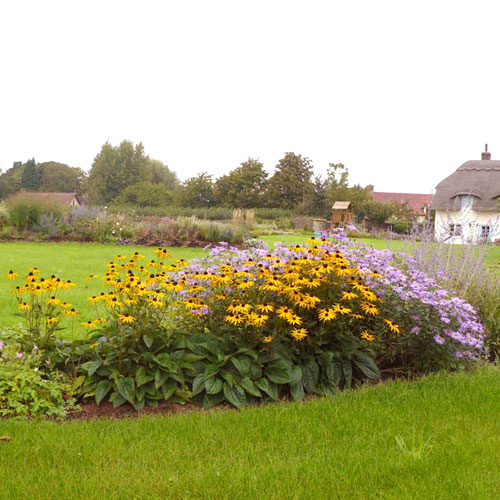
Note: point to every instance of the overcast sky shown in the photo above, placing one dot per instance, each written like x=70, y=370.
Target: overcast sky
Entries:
x=400, y=92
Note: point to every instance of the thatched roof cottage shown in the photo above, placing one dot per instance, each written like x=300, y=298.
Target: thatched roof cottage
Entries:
x=467, y=203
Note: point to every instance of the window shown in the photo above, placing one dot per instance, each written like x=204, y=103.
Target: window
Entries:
x=466, y=201
x=455, y=229
x=485, y=233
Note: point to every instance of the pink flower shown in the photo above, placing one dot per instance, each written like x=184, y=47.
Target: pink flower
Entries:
x=47, y=362
x=35, y=347
x=2, y=343
x=19, y=355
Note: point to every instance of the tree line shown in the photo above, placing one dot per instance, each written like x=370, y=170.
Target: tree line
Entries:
x=125, y=175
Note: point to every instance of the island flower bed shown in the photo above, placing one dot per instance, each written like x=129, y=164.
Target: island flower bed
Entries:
x=248, y=326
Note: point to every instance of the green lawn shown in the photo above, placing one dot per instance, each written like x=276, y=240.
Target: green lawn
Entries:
x=436, y=438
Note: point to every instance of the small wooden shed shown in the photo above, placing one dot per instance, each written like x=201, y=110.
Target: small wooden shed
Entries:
x=342, y=213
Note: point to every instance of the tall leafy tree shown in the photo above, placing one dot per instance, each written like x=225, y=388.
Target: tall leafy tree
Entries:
x=60, y=178
x=159, y=173
x=337, y=186
x=10, y=181
x=115, y=168
x=31, y=177
x=317, y=203
x=197, y=191
x=243, y=187
x=291, y=182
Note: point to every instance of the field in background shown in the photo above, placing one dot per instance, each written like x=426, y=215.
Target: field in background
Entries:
x=436, y=438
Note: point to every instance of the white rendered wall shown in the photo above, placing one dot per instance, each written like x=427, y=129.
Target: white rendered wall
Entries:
x=470, y=222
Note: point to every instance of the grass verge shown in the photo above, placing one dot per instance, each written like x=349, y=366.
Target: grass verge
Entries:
x=437, y=437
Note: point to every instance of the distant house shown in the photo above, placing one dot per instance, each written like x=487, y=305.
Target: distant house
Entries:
x=418, y=203
x=467, y=203
x=66, y=199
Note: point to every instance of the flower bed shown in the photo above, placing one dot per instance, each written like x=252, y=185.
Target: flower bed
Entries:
x=247, y=326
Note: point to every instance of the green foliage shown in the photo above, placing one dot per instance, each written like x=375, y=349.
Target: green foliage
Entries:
x=31, y=177
x=159, y=173
x=10, y=181
x=61, y=178
x=145, y=194
x=115, y=168
x=29, y=386
x=291, y=182
x=197, y=192
x=25, y=212
x=376, y=211
x=243, y=187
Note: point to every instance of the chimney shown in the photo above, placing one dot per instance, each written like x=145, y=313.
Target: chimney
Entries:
x=370, y=188
x=486, y=155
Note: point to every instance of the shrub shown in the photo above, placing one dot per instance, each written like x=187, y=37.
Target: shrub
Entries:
x=25, y=212
x=29, y=385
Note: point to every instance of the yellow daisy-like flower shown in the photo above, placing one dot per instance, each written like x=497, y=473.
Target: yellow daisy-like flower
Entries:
x=53, y=301
x=357, y=316
x=267, y=339
x=369, y=309
x=24, y=307
x=11, y=275
x=120, y=257
x=349, y=295
x=367, y=336
x=72, y=313
x=257, y=320
x=65, y=305
x=342, y=310
x=265, y=308
x=137, y=256
x=51, y=321
x=293, y=319
x=114, y=302
x=89, y=324
x=100, y=320
x=299, y=333
x=92, y=277
x=126, y=318
x=327, y=314
x=245, y=285
x=393, y=327
x=91, y=346
x=234, y=319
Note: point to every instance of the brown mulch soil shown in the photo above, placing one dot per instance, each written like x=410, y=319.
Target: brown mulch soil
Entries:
x=105, y=410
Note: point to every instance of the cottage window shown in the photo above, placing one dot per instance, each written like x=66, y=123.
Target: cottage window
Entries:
x=455, y=230
x=466, y=201
x=485, y=233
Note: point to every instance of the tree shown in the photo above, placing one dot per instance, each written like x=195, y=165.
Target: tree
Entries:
x=317, y=203
x=376, y=211
x=60, y=178
x=10, y=181
x=145, y=194
x=30, y=179
x=197, y=192
x=116, y=168
x=291, y=182
x=159, y=173
x=243, y=187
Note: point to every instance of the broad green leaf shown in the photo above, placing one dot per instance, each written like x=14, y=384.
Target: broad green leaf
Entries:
x=160, y=377
x=279, y=371
x=367, y=366
x=296, y=375
x=297, y=391
x=139, y=404
x=140, y=392
x=191, y=357
x=210, y=400
x=310, y=375
x=347, y=369
x=102, y=388
x=228, y=377
x=126, y=388
x=169, y=388
x=118, y=400
x=213, y=385
x=235, y=395
x=242, y=365
x=141, y=377
x=250, y=387
x=148, y=341
x=91, y=366
x=198, y=384
x=211, y=371
x=268, y=387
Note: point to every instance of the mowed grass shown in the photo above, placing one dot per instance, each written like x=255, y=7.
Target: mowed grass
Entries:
x=436, y=438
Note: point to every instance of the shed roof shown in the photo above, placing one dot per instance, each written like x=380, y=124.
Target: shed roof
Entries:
x=479, y=178
x=341, y=205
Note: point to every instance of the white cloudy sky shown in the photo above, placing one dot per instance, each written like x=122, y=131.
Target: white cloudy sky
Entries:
x=402, y=92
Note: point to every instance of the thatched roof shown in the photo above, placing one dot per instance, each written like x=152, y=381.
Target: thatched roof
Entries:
x=62, y=198
x=479, y=178
x=417, y=202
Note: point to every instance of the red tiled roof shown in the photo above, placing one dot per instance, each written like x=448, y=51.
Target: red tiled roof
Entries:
x=416, y=202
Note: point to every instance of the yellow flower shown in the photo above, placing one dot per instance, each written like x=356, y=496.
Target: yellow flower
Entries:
x=265, y=308
x=72, y=313
x=267, y=339
x=293, y=319
x=245, y=284
x=327, y=314
x=53, y=301
x=357, y=316
x=349, y=295
x=91, y=346
x=342, y=310
x=369, y=309
x=11, y=275
x=90, y=324
x=120, y=257
x=367, y=336
x=126, y=318
x=299, y=333
x=65, y=305
x=51, y=321
x=234, y=319
x=255, y=319
x=393, y=327
x=24, y=307
x=137, y=256
x=92, y=277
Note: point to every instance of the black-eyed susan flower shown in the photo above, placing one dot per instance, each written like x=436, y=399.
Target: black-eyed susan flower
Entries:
x=327, y=314
x=72, y=312
x=349, y=295
x=24, y=306
x=265, y=308
x=11, y=275
x=53, y=301
x=393, y=327
x=89, y=324
x=53, y=320
x=369, y=309
x=92, y=277
x=367, y=336
x=267, y=339
x=234, y=319
x=126, y=318
x=299, y=333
